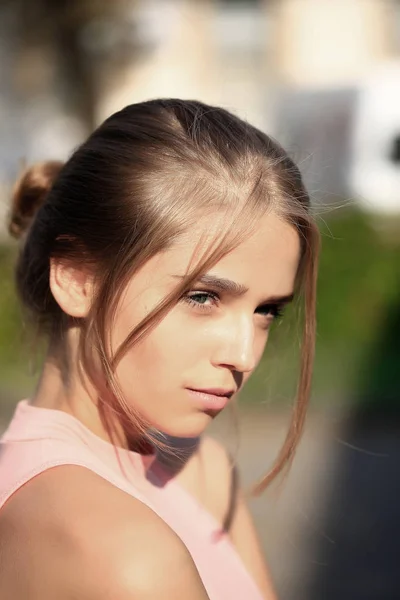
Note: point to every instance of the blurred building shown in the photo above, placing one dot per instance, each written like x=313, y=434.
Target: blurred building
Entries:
x=292, y=67
x=210, y=50
x=375, y=151
x=325, y=51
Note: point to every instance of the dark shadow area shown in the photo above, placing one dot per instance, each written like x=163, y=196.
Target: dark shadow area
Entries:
x=357, y=557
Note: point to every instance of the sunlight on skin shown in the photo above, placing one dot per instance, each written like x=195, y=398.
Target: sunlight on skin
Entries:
x=211, y=339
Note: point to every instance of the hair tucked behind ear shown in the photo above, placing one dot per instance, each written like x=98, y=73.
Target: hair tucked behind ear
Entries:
x=29, y=194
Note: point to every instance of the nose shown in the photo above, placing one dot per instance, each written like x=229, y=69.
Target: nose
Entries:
x=236, y=348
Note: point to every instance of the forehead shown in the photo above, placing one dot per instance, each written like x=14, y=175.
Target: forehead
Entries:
x=265, y=262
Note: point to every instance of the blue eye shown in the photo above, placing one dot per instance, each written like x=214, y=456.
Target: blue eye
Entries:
x=200, y=298
x=271, y=310
x=207, y=300
x=203, y=300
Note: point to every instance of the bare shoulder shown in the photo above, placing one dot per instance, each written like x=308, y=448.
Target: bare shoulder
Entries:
x=210, y=476
x=214, y=460
x=215, y=455
x=219, y=490
x=70, y=533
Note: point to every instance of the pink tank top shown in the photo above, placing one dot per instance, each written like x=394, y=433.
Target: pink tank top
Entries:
x=38, y=439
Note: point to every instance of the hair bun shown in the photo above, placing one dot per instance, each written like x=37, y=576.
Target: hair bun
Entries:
x=29, y=194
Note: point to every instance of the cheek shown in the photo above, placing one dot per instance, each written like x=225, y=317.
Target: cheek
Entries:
x=164, y=353
x=177, y=345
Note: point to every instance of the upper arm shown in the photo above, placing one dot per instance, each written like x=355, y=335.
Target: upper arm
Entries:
x=69, y=533
x=148, y=562
x=230, y=508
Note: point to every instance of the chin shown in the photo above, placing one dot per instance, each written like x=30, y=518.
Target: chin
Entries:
x=186, y=429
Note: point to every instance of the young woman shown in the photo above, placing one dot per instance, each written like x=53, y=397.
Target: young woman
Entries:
x=154, y=261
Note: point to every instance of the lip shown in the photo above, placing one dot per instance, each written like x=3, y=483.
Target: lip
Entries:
x=214, y=399
x=215, y=391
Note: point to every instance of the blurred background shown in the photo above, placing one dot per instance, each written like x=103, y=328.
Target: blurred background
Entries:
x=323, y=77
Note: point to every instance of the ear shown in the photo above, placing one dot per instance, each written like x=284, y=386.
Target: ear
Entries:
x=71, y=286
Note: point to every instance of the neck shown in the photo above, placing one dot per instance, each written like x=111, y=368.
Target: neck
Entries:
x=79, y=399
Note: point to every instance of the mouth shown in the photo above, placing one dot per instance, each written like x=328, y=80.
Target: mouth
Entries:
x=211, y=399
x=214, y=391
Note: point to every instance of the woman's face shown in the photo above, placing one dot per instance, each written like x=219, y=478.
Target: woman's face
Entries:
x=204, y=350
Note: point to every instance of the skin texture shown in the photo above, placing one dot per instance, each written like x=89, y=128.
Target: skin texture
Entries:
x=203, y=342
x=200, y=344
x=59, y=539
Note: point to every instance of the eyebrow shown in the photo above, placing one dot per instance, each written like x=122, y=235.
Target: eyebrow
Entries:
x=236, y=289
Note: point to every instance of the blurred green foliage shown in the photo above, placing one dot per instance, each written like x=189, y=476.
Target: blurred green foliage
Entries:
x=15, y=345
x=358, y=301
x=10, y=321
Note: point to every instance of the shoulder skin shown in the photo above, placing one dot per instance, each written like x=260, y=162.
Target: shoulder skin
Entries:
x=68, y=533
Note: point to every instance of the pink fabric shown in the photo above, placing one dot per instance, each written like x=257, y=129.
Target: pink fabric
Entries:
x=38, y=439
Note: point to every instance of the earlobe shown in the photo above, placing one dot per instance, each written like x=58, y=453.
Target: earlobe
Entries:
x=71, y=287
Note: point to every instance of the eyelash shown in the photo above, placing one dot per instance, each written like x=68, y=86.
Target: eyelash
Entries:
x=189, y=298
x=274, y=310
